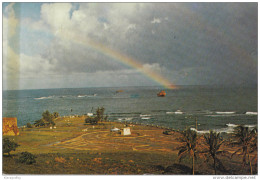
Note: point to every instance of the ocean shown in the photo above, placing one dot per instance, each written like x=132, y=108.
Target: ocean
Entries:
x=215, y=108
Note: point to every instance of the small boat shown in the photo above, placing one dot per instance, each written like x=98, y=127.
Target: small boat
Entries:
x=118, y=91
x=161, y=94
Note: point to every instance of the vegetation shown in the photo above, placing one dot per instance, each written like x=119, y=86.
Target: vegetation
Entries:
x=247, y=139
x=47, y=119
x=9, y=146
x=29, y=125
x=214, y=141
x=56, y=115
x=100, y=117
x=147, y=151
x=27, y=158
x=189, y=147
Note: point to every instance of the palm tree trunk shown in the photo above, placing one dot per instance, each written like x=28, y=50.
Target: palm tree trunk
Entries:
x=250, y=164
x=193, y=172
x=215, y=169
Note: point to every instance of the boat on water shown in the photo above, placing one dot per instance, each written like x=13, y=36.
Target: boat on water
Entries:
x=118, y=91
x=161, y=94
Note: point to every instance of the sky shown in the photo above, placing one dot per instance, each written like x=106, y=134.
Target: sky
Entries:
x=70, y=45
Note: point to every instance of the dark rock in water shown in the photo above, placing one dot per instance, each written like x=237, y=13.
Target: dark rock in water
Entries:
x=178, y=169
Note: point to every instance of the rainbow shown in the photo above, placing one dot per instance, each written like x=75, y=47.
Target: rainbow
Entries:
x=131, y=62
x=127, y=60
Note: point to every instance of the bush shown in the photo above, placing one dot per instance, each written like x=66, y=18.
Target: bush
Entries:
x=98, y=118
x=27, y=158
x=9, y=146
x=29, y=125
x=56, y=115
x=47, y=119
x=91, y=120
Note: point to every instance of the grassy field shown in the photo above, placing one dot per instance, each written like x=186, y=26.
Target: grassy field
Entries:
x=76, y=148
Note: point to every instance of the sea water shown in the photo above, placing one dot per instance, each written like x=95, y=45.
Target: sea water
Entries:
x=216, y=108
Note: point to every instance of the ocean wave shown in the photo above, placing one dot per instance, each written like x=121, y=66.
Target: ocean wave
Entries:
x=251, y=113
x=229, y=129
x=231, y=125
x=176, y=112
x=125, y=119
x=200, y=132
x=145, y=115
x=145, y=118
x=221, y=115
x=49, y=97
x=229, y=112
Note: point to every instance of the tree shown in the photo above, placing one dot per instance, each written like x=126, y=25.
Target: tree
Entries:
x=214, y=141
x=189, y=139
x=56, y=115
x=91, y=120
x=248, y=141
x=27, y=158
x=9, y=146
x=29, y=125
x=100, y=114
x=46, y=120
x=40, y=122
x=98, y=118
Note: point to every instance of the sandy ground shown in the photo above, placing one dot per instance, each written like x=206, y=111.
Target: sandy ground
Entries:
x=144, y=140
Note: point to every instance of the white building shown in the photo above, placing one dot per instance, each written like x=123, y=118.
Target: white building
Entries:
x=126, y=131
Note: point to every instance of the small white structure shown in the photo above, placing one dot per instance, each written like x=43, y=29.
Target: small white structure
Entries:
x=114, y=130
x=54, y=127
x=89, y=114
x=84, y=130
x=51, y=127
x=126, y=131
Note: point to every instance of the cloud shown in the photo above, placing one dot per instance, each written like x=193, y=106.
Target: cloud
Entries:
x=9, y=22
x=210, y=43
x=11, y=63
x=156, y=20
x=155, y=67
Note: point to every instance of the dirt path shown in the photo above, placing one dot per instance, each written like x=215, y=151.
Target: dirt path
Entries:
x=104, y=140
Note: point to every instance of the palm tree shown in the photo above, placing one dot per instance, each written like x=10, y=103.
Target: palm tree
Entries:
x=189, y=140
x=213, y=141
x=248, y=140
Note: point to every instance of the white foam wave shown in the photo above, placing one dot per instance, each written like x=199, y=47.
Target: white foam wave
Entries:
x=125, y=119
x=145, y=115
x=79, y=96
x=231, y=125
x=221, y=115
x=200, y=132
x=176, y=112
x=145, y=118
x=251, y=113
x=231, y=112
x=49, y=97
x=229, y=129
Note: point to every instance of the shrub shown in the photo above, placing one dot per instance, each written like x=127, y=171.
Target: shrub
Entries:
x=29, y=125
x=98, y=118
x=47, y=119
x=9, y=146
x=56, y=115
x=91, y=120
x=27, y=158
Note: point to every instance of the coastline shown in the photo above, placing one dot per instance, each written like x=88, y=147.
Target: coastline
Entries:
x=78, y=145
